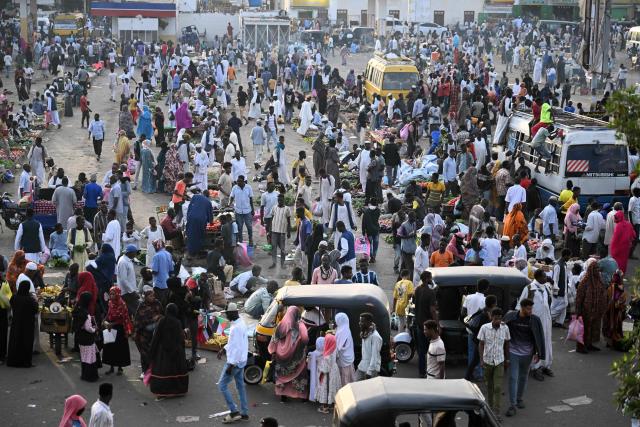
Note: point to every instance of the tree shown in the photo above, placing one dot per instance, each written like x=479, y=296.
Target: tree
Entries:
x=624, y=108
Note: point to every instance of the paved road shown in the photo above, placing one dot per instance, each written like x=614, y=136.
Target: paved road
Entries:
x=35, y=396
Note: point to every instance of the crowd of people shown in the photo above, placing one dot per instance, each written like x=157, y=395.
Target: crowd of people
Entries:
x=576, y=256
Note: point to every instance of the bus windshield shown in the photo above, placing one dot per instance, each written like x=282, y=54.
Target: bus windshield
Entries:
x=399, y=80
x=65, y=24
x=597, y=160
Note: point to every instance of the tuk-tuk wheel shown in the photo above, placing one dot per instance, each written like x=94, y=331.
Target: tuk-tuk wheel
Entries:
x=404, y=352
x=252, y=374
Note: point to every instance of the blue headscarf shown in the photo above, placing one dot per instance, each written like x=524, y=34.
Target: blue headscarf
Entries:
x=105, y=267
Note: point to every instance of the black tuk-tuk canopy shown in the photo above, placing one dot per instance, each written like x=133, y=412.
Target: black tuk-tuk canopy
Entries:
x=504, y=282
x=378, y=401
x=469, y=275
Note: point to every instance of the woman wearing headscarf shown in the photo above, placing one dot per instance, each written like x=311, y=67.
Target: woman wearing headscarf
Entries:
x=160, y=162
x=622, y=240
x=144, y=323
x=125, y=122
x=148, y=168
x=171, y=168
x=591, y=303
x=85, y=328
x=183, y=117
x=329, y=375
x=546, y=250
x=122, y=148
x=16, y=267
x=144, y=123
x=169, y=374
x=312, y=363
x=469, y=191
x=199, y=214
x=571, y=220
x=515, y=223
x=288, y=356
x=87, y=284
x=345, y=352
x=434, y=226
x=74, y=406
x=616, y=311
x=23, y=308
x=456, y=247
x=350, y=81
x=158, y=122
x=117, y=352
x=103, y=272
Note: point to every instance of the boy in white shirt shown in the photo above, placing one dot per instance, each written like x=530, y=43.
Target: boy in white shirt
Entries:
x=436, y=354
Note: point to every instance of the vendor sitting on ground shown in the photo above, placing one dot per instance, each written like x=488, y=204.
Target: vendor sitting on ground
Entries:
x=58, y=244
x=259, y=301
x=244, y=283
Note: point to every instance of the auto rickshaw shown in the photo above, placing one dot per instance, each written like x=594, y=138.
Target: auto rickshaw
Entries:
x=353, y=300
x=455, y=282
x=382, y=402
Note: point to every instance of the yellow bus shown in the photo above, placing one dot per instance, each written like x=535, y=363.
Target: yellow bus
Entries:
x=389, y=74
x=68, y=24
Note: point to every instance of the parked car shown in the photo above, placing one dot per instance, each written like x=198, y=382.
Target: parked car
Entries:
x=429, y=27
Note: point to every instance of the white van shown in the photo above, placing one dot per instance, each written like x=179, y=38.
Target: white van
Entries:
x=633, y=38
x=589, y=154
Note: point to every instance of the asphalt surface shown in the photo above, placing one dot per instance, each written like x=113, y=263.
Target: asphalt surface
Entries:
x=31, y=397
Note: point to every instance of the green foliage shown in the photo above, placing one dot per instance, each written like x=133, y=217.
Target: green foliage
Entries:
x=624, y=108
x=627, y=369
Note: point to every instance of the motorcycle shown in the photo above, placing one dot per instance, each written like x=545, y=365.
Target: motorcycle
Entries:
x=10, y=212
x=405, y=343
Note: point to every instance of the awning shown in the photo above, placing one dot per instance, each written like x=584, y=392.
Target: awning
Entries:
x=132, y=9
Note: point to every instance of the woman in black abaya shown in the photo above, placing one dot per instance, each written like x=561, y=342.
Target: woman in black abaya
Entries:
x=24, y=308
x=169, y=374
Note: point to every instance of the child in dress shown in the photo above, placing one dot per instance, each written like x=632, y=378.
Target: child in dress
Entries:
x=312, y=363
x=328, y=375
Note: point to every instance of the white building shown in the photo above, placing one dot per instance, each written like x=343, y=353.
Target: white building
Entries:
x=368, y=12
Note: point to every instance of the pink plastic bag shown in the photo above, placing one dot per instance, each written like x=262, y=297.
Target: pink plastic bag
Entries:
x=262, y=231
x=241, y=255
x=576, y=330
x=362, y=246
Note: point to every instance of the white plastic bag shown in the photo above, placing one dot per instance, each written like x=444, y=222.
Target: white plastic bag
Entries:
x=109, y=336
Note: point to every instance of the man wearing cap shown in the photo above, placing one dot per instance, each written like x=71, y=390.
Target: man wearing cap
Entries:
x=236, y=351
x=258, y=137
x=126, y=274
x=92, y=192
x=200, y=166
x=30, y=238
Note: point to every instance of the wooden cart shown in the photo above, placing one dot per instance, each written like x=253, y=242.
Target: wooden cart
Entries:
x=58, y=326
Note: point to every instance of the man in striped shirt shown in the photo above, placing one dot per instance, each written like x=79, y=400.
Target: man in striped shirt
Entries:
x=364, y=275
x=494, y=340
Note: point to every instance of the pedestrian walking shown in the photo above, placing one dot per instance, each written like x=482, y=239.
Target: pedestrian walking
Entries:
x=236, y=352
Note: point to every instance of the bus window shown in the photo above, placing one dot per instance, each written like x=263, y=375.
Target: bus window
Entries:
x=399, y=80
x=597, y=160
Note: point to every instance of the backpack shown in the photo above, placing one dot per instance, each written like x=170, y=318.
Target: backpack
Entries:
x=404, y=132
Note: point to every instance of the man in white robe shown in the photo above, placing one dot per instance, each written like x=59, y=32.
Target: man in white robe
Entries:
x=540, y=294
x=305, y=117
x=327, y=188
x=537, y=71
x=277, y=107
x=200, y=166
x=362, y=163
x=113, y=233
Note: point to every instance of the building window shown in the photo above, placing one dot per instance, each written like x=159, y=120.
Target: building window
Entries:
x=438, y=17
x=342, y=17
x=395, y=13
x=469, y=16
